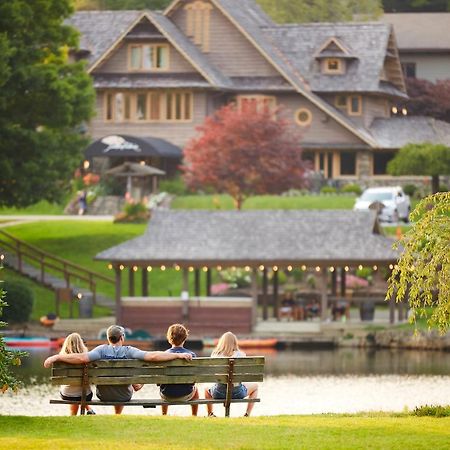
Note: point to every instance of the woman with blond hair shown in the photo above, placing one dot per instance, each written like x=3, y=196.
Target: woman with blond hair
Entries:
x=228, y=346
x=74, y=344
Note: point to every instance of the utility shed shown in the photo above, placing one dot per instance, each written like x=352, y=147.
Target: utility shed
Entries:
x=258, y=241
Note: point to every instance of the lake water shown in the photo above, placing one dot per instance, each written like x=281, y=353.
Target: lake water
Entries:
x=296, y=382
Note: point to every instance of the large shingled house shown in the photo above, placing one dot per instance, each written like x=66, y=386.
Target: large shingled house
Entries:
x=159, y=74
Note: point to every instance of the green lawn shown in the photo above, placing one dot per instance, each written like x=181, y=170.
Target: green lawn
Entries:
x=225, y=202
x=42, y=207
x=375, y=431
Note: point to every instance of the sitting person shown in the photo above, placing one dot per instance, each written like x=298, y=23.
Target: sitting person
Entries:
x=312, y=309
x=115, y=350
x=288, y=306
x=176, y=336
x=74, y=344
x=340, y=310
x=228, y=346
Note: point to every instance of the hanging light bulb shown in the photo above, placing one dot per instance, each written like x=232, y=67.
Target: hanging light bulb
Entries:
x=317, y=269
x=135, y=268
x=346, y=268
x=109, y=266
x=177, y=267
x=331, y=269
x=205, y=269
x=163, y=267
x=289, y=268
x=149, y=268
x=261, y=267
x=121, y=267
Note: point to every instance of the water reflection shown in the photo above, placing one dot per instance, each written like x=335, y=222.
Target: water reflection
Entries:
x=305, y=363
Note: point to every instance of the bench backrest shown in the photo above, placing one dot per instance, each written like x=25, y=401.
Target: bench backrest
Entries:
x=132, y=371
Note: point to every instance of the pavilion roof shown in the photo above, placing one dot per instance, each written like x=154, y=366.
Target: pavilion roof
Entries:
x=269, y=237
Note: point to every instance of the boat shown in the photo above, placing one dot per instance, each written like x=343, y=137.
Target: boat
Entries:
x=30, y=342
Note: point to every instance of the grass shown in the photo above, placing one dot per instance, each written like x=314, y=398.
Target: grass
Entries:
x=374, y=431
x=225, y=202
x=44, y=299
x=42, y=207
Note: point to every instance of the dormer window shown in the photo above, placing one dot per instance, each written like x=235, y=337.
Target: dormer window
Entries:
x=333, y=66
x=197, y=23
x=148, y=57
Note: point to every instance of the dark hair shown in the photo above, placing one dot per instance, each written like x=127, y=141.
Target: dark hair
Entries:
x=177, y=334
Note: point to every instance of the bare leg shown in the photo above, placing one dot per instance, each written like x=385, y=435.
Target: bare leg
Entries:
x=118, y=409
x=252, y=391
x=164, y=409
x=209, y=407
x=196, y=396
x=73, y=409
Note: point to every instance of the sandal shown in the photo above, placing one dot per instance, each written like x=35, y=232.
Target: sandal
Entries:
x=211, y=414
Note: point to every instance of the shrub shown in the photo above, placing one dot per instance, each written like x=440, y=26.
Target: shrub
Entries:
x=434, y=411
x=366, y=273
x=175, y=186
x=352, y=189
x=20, y=301
x=328, y=190
x=236, y=277
x=410, y=189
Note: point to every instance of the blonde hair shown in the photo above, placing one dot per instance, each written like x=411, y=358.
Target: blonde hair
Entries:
x=227, y=345
x=73, y=344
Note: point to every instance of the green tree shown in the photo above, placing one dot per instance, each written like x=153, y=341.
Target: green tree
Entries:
x=43, y=100
x=8, y=358
x=422, y=275
x=299, y=11
x=422, y=159
x=416, y=5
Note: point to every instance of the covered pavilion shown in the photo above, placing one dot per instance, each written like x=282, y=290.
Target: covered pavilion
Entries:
x=195, y=242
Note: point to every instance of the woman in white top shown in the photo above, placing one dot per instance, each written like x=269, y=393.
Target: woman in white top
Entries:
x=228, y=346
x=74, y=344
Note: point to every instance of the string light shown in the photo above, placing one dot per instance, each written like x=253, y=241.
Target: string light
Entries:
x=275, y=268
x=219, y=268
x=360, y=267
x=79, y=296
x=261, y=267
x=149, y=268
x=247, y=268
x=289, y=268
x=163, y=267
x=2, y=257
x=346, y=268
x=331, y=269
x=109, y=265
x=404, y=111
x=391, y=266
x=394, y=110
x=121, y=267
x=317, y=269
x=233, y=268
x=177, y=267
x=205, y=269
x=135, y=268
x=375, y=267
x=303, y=267
x=191, y=269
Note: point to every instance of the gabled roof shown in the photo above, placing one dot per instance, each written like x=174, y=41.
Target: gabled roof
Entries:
x=335, y=47
x=365, y=41
x=420, y=31
x=102, y=31
x=395, y=132
x=256, y=237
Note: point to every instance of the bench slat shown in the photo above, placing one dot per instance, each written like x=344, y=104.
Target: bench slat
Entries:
x=158, y=379
x=156, y=402
x=168, y=371
x=201, y=361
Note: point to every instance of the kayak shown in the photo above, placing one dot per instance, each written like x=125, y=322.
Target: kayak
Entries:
x=30, y=342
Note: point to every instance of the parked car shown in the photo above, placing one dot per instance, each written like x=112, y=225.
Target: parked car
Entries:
x=393, y=203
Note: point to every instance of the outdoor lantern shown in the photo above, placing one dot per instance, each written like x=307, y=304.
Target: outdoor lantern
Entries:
x=86, y=164
x=2, y=257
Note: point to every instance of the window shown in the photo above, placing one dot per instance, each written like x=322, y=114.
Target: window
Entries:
x=348, y=163
x=409, y=69
x=256, y=103
x=333, y=66
x=118, y=107
x=380, y=162
x=340, y=101
x=303, y=117
x=148, y=57
x=197, y=23
x=148, y=106
x=354, y=106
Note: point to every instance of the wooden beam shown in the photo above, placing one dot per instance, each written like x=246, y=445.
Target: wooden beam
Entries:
x=197, y=283
x=323, y=295
x=208, y=282
x=254, y=277
x=343, y=273
x=265, y=295
x=276, y=306
x=118, y=294
x=334, y=282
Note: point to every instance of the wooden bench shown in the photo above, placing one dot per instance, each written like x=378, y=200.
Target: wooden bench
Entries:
x=132, y=371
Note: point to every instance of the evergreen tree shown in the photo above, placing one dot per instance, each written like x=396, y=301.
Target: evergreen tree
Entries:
x=43, y=100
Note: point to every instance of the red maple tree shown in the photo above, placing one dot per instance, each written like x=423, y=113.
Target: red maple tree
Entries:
x=245, y=152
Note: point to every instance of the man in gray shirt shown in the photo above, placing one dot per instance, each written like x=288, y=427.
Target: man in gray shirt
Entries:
x=115, y=349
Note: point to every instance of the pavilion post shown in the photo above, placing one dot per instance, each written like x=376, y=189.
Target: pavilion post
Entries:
x=334, y=283
x=118, y=293
x=144, y=282
x=323, y=295
x=264, y=298
x=343, y=273
x=208, y=282
x=131, y=282
x=276, y=306
x=197, y=283
x=154, y=184
x=254, y=296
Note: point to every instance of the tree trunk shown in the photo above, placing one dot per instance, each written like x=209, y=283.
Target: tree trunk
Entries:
x=434, y=184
